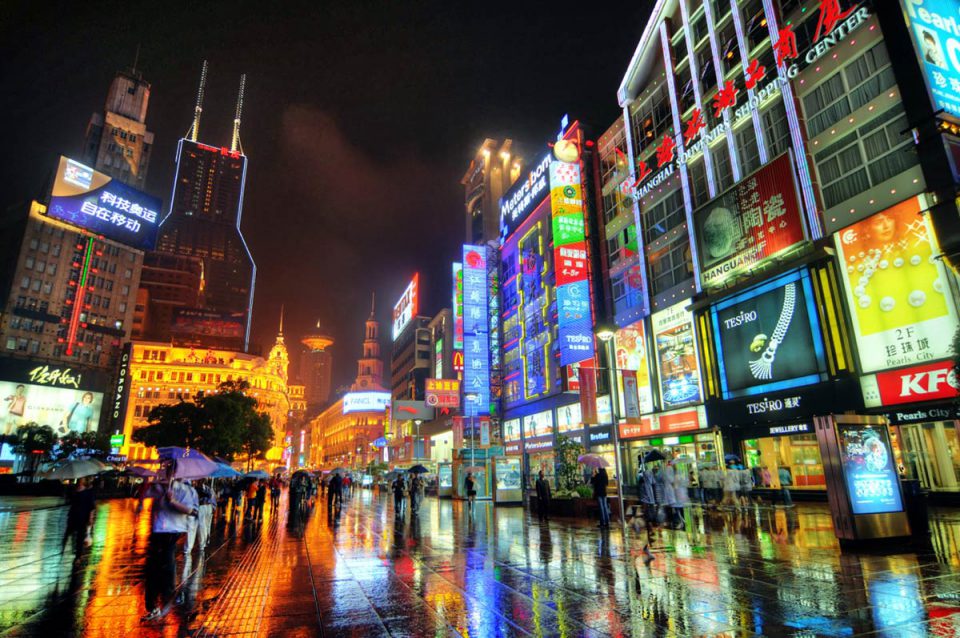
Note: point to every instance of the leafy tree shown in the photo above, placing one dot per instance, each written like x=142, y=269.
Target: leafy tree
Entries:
x=178, y=424
x=34, y=443
x=92, y=443
x=376, y=468
x=569, y=475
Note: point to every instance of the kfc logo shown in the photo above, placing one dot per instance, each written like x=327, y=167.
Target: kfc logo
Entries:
x=920, y=383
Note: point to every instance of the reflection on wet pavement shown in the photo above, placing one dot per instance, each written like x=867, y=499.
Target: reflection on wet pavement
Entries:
x=497, y=572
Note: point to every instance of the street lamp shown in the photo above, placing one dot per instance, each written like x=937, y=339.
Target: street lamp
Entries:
x=605, y=333
x=416, y=440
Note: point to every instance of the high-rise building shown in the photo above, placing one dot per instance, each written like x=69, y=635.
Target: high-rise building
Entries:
x=490, y=174
x=316, y=369
x=118, y=142
x=203, y=222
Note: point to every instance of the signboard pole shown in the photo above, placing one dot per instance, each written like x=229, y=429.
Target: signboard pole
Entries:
x=615, y=434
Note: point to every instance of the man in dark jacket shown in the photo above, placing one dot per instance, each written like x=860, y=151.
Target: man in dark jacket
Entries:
x=543, y=496
x=79, y=516
x=334, y=490
x=600, y=482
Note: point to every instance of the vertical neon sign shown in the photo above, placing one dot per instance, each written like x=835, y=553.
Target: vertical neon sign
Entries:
x=476, y=331
x=79, y=297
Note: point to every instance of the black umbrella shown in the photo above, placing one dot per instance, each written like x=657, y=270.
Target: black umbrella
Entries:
x=418, y=469
x=653, y=455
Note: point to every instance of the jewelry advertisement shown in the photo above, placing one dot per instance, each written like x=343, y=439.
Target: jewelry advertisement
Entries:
x=676, y=356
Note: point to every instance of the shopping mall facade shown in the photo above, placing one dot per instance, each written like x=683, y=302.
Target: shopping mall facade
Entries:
x=772, y=226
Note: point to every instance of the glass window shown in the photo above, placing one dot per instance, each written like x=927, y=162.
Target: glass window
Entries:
x=722, y=167
x=663, y=216
x=651, y=119
x=670, y=265
x=776, y=129
x=698, y=182
x=791, y=460
x=747, y=149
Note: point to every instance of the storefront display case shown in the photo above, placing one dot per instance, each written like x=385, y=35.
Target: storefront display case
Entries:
x=508, y=481
x=445, y=480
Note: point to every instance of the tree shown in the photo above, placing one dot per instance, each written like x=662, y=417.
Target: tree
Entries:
x=569, y=475
x=34, y=443
x=89, y=443
x=180, y=424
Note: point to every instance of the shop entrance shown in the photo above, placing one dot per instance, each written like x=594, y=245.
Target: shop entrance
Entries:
x=931, y=453
x=697, y=452
x=794, y=458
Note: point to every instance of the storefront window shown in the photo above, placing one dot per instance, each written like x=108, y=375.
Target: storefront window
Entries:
x=796, y=458
x=931, y=453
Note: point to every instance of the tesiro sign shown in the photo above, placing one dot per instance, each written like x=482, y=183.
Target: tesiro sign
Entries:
x=767, y=406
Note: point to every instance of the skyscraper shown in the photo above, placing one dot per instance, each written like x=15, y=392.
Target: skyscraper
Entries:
x=206, y=208
x=489, y=175
x=316, y=370
x=118, y=142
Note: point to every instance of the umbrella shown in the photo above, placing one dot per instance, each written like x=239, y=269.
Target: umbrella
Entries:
x=224, y=471
x=474, y=468
x=74, y=469
x=731, y=457
x=418, y=469
x=593, y=460
x=280, y=469
x=136, y=470
x=257, y=474
x=339, y=469
x=653, y=455
x=189, y=463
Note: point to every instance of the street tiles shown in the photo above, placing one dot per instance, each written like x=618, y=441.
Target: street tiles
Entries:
x=367, y=572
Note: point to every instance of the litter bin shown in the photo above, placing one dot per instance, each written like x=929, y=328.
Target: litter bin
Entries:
x=915, y=505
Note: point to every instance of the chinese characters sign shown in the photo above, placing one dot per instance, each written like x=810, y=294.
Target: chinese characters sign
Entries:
x=896, y=288
x=443, y=393
x=769, y=337
x=574, y=312
x=476, y=337
x=457, y=306
x=407, y=306
x=96, y=202
x=757, y=219
x=676, y=356
x=933, y=26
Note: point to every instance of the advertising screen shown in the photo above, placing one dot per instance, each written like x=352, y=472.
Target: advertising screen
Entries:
x=539, y=424
x=511, y=430
x=445, y=475
x=896, y=288
x=933, y=27
x=213, y=329
x=868, y=467
x=407, y=306
x=631, y=348
x=757, y=219
x=64, y=398
x=508, y=473
x=569, y=418
x=476, y=336
x=677, y=362
x=457, y=306
x=365, y=402
x=92, y=200
x=769, y=337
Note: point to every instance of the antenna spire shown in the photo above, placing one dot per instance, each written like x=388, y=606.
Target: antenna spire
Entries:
x=373, y=303
x=198, y=108
x=235, y=142
x=281, y=320
x=136, y=60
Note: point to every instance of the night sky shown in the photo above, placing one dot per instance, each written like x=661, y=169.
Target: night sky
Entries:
x=360, y=118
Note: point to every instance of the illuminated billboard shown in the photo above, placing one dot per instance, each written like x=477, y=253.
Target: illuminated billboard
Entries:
x=65, y=398
x=755, y=220
x=190, y=326
x=407, y=306
x=677, y=364
x=933, y=28
x=631, y=351
x=102, y=205
x=457, y=306
x=365, y=402
x=476, y=336
x=868, y=467
x=897, y=289
x=768, y=338
x=524, y=197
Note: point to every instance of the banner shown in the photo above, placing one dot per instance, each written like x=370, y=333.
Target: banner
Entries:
x=897, y=289
x=631, y=398
x=588, y=394
x=755, y=220
x=476, y=341
x=484, y=432
x=630, y=344
x=457, y=433
x=677, y=363
x=933, y=28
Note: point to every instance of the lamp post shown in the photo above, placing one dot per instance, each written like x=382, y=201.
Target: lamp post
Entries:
x=416, y=440
x=606, y=333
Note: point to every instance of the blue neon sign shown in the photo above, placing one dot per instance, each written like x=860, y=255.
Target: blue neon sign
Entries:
x=476, y=329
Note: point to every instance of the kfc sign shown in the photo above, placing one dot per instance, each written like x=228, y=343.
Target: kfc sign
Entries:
x=928, y=382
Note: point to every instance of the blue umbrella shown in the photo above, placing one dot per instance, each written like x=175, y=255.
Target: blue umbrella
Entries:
x=731, y=457
x=257, y=474
x=224, y=471
x=189, y=463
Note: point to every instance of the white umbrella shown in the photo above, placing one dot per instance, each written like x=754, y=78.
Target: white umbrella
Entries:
x=76, y=468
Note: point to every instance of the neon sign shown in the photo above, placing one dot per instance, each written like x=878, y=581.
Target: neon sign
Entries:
x=407, y=306
x=523, y=198
x=476, y=336
x=44, y=375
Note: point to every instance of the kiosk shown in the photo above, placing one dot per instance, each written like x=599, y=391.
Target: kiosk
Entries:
x=444, y=480
x=507, y=480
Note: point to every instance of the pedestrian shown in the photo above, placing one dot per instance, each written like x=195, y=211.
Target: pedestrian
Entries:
x=786, y=480
x=669, y=475
x=398, y=487
x=543, y=497
x=681, y=495
x=168, y=523
x=79, y=517
x=192, y=500
x=710, y=479
x=416, y=484
x=260, y=500
x=208, y=503
x=236, y=495
x=471, y=487
x=334, y=494
x=746, y=486
x=251, y=496
x=731, y=486
x=275, y=493
x=600, y=481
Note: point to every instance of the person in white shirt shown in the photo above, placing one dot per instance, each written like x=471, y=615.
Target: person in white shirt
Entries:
x=731, y=485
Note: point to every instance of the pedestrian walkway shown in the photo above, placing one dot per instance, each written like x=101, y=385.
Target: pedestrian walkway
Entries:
x=498, y=572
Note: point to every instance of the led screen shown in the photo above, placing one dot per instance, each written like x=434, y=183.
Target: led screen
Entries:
x=65, y=409
x=868, y=467
x=677, y=364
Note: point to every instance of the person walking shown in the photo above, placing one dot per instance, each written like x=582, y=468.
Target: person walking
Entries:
x=79, y=517
x=416, y=485
x=681, y=494
x=334, y=492
x=275, y=493
x=785, y=482
x=669, y=476
x=208, y=503
x=600, y=481
x=192, y=500
x=252, y=499
x=260, y=500
x=398, y=488
x=543, y=497
x=236, y=495
x=746, y=486
x=168, y=523
x=470, y=485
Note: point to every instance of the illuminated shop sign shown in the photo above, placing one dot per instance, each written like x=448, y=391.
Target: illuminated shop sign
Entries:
x=685, y=420
x=928, y=382
x=897, y=289
x=517, y=204
x=538, y=425
x=769, y=337
x=630, y=344
x=458, y=306
x=121, y=389
x=868, y=466
x=535, y=341
x=96, y=202
x=677, y=363
x=60, y=397
x=365, y=402
x=755, y=220
x=476, y=336
x=407, y=306
x=834, y=26
x=935, y=30
x=793, y=428
x=443, y=393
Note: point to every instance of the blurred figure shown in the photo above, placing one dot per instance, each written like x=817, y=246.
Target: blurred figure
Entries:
x=191, y=500
x=208, y=502
x=260, y=500
x=335, y=492
x=600, y=481
x=275, y=493
x=79, y=517
x=471, y=487
x=543, y=496
x=398, y=488
x=251, y=496
x=416, y=488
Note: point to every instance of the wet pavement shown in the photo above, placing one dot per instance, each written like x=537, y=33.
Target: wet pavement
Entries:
x=497, y=572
